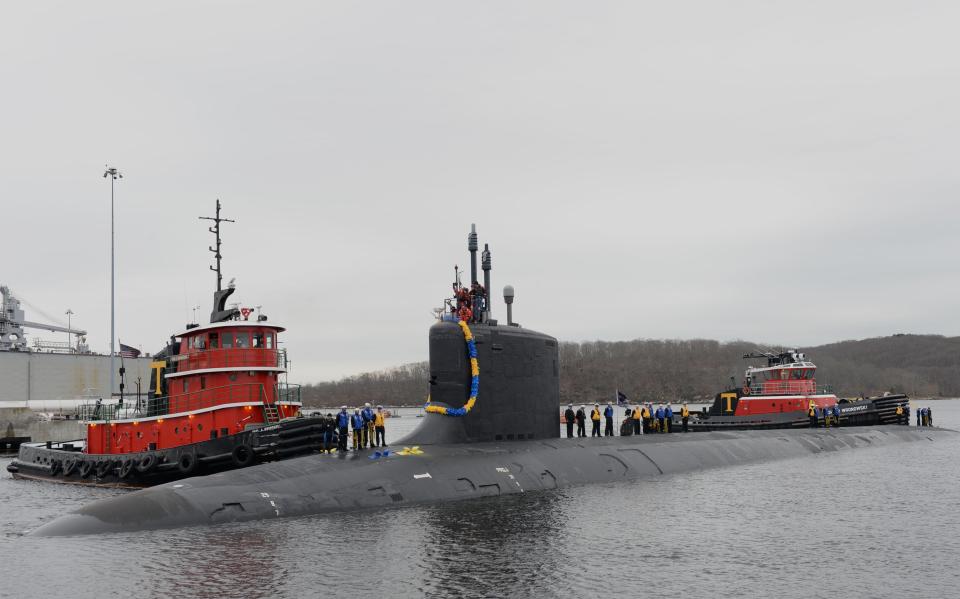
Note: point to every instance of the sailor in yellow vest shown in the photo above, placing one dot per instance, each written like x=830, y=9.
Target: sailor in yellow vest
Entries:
x=899, y=414
x=595, y=417
x=645, y=415
x=812, y=413
x=637, y=420
x=378, y=425
x=685, y=416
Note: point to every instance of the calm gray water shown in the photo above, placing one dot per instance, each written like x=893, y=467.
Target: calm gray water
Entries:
x=876, y=522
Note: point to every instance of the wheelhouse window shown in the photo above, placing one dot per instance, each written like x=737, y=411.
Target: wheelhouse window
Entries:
x=257, y=340
x=269, y=340
x=214, y=340
x=227, y=339
x=242, y=340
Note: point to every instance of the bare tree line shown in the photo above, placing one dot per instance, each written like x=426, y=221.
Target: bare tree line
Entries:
x=689, y=370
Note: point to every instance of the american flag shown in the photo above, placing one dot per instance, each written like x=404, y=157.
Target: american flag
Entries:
x=128, y=352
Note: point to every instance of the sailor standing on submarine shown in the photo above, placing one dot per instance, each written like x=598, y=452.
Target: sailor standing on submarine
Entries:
x=380, y=428
x=343, y=421
x=569, y=416
x=608, y=416
x=367, y=437
x=595, y=417
x=359, y=426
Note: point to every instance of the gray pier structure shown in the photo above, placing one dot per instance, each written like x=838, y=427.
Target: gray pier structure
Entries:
x=51, y=377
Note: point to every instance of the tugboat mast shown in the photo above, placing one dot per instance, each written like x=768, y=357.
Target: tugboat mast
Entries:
x=220, y=311
x=215, y=229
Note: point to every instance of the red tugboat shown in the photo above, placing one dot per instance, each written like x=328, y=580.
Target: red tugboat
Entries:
x=216, y=402
x=781, y=394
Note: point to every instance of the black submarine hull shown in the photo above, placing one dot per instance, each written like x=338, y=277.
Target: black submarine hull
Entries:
x=318, y=484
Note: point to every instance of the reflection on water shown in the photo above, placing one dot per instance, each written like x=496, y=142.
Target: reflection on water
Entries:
x=485, y=546
x=879, y=522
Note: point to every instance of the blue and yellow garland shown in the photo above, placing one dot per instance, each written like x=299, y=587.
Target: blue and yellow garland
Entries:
x=474, y=380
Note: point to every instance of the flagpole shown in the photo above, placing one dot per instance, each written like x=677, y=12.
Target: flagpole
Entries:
x=114, y=174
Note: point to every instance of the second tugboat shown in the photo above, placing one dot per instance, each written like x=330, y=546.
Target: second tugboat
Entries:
x=784, y=394
x=216, y=402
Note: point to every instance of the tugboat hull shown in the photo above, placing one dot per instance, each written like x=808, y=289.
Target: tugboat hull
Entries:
x=866, y=412
x=148, y=468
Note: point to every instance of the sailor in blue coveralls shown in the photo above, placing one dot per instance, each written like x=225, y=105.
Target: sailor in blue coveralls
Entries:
x=608, y=416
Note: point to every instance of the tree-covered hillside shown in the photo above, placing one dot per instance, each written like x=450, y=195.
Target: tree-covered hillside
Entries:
x=655, y=370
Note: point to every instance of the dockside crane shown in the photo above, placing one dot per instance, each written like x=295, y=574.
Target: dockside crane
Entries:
x=12, y=323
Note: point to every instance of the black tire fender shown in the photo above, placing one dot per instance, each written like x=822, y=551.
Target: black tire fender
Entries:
x=85, y=469
x=103, y=468
x=147, y=463
x=55, y=467
x=126, y=468
x=187, y=463
x=70, y=466
x=243, y=456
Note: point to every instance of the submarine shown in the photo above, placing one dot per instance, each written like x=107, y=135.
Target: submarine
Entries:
x=491, y=428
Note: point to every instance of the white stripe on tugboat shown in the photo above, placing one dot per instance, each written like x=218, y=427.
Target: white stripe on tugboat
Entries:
x=254, y=404
x=174, y=375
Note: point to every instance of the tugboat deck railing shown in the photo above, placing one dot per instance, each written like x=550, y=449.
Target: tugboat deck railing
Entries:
x=231, y=357
x=804, y=387
x=151, y=407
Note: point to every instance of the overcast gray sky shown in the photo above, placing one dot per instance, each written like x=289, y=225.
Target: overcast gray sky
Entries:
x=773, y=171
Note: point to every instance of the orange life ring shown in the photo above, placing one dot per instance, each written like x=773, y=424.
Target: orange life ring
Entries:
x=746, y=391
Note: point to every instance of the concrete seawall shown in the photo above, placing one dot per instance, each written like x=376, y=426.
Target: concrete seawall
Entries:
x=22, y=422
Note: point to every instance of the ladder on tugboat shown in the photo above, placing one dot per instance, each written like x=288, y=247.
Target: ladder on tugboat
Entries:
x=271, y=414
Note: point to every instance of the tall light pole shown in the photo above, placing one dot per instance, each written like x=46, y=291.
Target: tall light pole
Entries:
x=69, y=313
x=114, y=174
